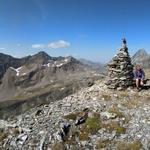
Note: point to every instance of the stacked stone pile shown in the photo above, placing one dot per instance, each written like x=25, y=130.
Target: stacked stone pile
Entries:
x=120, y=70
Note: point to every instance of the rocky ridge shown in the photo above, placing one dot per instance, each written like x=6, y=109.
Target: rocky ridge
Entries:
x=93, y=118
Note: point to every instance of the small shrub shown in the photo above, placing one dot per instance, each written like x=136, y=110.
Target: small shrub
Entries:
x=120, y=130
x=102, y=143
x=93, y=124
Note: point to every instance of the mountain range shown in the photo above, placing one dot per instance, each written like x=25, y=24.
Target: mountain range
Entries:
x=38, y=79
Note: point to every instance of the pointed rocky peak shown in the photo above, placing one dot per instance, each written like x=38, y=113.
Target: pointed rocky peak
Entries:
x=68, y=59
x=140, y=57
x=140, y=53
x=41, y=54
x=65, y=61
x=71, y=59
x=39, y=58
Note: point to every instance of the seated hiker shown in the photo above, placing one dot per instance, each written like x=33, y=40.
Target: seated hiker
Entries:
x=139, y=76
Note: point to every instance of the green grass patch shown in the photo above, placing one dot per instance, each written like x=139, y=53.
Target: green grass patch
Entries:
x=93, y=124
x=120, y=130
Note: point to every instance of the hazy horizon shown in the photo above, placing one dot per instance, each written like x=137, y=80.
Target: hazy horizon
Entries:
x=89, y=29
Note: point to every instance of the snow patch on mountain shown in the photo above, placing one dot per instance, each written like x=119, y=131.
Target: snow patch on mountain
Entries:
x=17, y=70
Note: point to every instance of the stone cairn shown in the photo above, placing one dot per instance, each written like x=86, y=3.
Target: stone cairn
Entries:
x=120, y=69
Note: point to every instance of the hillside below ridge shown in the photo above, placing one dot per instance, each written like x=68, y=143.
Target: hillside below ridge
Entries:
x=93, y=118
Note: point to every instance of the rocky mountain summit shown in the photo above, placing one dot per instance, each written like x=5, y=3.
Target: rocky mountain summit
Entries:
x=93, y=118
x=60, y=103
x=120, y=69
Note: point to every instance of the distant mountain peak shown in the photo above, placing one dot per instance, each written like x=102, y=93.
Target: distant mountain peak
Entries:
x=141, y=52
x=41, y=54
x=141, y=57
x=39, y=58
x=70, y=58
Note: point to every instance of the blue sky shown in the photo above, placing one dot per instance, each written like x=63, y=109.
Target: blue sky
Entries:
x=90, y=29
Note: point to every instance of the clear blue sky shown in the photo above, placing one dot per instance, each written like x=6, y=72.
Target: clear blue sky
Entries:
x=90, y=29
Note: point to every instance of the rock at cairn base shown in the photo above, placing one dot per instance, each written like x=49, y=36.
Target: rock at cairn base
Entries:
x=120, y=70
